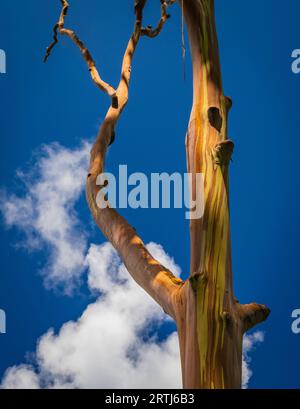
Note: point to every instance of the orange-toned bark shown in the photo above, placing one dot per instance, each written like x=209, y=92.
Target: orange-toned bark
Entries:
x=210, y=321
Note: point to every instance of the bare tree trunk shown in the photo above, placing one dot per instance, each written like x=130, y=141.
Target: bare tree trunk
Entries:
x=210, y=322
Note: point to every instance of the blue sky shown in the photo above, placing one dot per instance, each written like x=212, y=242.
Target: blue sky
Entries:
x=58, y=102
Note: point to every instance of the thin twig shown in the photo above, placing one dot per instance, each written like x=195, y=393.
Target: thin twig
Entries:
x=148, y=31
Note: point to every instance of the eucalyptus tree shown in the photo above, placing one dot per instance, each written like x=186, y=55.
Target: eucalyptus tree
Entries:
x=210, y=321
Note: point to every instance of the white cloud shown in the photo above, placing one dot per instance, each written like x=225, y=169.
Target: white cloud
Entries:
x=21, y=377
x=249, y=344
x=108, y=346
x=46, y=214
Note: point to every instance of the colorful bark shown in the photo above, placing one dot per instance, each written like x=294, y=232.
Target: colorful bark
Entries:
x=210, y=322
x=218, y=326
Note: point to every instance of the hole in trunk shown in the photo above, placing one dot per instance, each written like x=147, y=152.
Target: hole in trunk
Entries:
x=215, y=118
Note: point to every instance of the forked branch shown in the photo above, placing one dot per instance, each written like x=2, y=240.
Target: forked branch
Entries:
x=148, y=31
x=158, y=281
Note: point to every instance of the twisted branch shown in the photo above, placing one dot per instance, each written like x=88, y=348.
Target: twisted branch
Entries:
x=158, y=281
x=148, y=31
x=59, y=28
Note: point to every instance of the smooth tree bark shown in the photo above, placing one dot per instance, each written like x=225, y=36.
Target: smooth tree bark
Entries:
x=210, y=321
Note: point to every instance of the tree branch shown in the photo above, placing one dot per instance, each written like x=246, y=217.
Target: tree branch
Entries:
x=152, y=276
x=148, y=31
x=158, y=281
x=253, y=314
x=60, y=28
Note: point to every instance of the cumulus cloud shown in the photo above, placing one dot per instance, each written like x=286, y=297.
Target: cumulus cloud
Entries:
x=115, y=343
x=46, y=214
x=250, y=342
x=108, y=346
x=21, y=377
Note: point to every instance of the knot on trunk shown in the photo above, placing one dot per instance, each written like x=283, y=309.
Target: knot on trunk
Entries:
x=222, y=152
x=253, y=314
x=198, y=278
x=228, y=103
